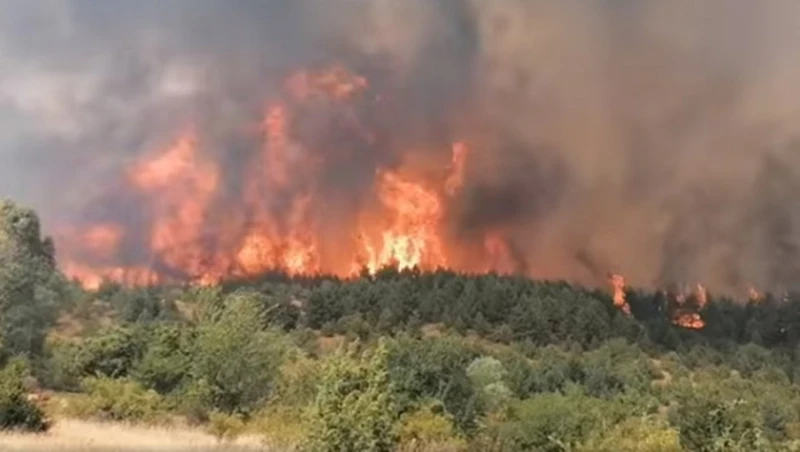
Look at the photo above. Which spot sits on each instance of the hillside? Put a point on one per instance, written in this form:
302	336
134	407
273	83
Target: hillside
397	361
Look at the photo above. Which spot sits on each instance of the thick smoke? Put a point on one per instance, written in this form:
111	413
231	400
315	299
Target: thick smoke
657	139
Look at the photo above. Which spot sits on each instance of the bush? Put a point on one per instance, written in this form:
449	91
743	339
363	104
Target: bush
167	359
429	428
557	422
635	435
60	369
236	358
298	382
283	427
16	411
112	353
355	408
435	368
225	426
118	400
488	376
707	424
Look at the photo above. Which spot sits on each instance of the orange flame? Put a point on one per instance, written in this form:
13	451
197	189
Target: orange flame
690	320
102	239
275	222
91	278
754	295
408	233
618	286
701	295
276	149
685	316
181	185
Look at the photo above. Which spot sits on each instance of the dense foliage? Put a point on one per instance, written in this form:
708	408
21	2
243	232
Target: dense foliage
16	411
404	360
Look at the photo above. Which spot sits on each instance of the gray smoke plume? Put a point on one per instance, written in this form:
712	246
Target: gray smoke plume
657	139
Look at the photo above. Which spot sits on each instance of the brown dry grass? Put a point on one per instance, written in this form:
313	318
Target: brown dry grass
83	436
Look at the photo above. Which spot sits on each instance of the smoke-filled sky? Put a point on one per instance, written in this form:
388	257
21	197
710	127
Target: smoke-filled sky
657	139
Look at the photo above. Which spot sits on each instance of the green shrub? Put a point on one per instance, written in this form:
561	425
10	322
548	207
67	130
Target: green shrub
16	411
298	382
708	424
225	426
112	353
436	368
355	408
118	400
236	358
429	428
61	370
643	434
557	422
194	401
488	376
282	427
167	359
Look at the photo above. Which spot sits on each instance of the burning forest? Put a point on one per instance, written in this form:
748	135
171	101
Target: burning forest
558	140
402	224
195	230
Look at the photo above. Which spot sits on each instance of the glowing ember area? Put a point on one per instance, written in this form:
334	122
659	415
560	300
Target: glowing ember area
754	295
618	286
691	321
686	314
92	277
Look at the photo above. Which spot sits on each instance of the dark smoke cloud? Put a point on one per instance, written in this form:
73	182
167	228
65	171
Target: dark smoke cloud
653	138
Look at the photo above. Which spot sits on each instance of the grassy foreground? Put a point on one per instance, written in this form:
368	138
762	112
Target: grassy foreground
86	436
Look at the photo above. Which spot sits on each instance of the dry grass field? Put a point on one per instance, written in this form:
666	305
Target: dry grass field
83	436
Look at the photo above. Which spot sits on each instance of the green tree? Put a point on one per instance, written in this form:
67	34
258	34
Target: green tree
435	368
355	408
488	375
235	358
167	359
31	288
112	353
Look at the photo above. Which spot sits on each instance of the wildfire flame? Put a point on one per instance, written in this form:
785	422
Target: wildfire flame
754	295
181	185
686	316
408	235
273	226
192	231
618	286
